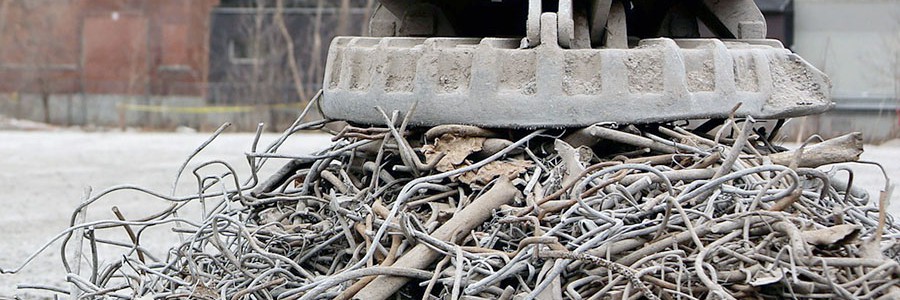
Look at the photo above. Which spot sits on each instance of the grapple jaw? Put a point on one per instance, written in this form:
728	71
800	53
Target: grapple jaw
509	83
492	83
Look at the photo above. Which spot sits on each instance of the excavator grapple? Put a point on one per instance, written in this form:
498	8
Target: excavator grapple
576	64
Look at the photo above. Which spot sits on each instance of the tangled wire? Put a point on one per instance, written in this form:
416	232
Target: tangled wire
657	211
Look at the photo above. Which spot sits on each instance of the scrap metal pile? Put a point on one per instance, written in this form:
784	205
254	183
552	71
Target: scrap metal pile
659	211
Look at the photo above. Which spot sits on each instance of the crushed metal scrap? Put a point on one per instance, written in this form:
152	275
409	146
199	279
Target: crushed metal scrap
655	211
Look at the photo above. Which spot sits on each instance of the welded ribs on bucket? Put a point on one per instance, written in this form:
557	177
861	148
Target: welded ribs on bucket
491	82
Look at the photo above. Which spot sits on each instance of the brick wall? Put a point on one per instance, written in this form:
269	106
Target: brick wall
104	46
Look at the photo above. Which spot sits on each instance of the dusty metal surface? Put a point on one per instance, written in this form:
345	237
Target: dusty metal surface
572	65
460	212
494	83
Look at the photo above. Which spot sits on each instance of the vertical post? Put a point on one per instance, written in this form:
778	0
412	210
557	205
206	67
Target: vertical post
74	292
120	108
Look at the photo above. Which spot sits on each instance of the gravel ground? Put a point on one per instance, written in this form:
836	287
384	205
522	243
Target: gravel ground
43	174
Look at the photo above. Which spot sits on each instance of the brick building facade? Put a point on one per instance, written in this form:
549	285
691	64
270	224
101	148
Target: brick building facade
154	47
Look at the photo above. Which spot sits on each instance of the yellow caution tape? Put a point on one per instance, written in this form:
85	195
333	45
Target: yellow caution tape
203	109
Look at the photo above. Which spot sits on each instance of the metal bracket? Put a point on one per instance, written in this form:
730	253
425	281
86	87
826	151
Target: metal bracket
741	18
533	24
598	19
616	28
565	23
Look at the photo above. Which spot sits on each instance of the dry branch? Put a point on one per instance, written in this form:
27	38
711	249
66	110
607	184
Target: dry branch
845	148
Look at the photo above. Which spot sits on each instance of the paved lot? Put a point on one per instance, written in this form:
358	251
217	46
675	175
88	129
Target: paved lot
43	173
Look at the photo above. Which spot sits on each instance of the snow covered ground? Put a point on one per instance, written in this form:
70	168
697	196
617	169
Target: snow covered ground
43	174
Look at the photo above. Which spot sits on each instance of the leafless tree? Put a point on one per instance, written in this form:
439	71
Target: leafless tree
893	46
259	57
884	61
289	44
370	5
343	27
283	49
4	8
315	65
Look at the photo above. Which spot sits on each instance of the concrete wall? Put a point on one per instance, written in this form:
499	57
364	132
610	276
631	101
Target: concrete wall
857	43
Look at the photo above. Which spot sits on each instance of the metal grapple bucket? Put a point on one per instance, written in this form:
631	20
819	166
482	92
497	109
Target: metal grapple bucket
495	82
